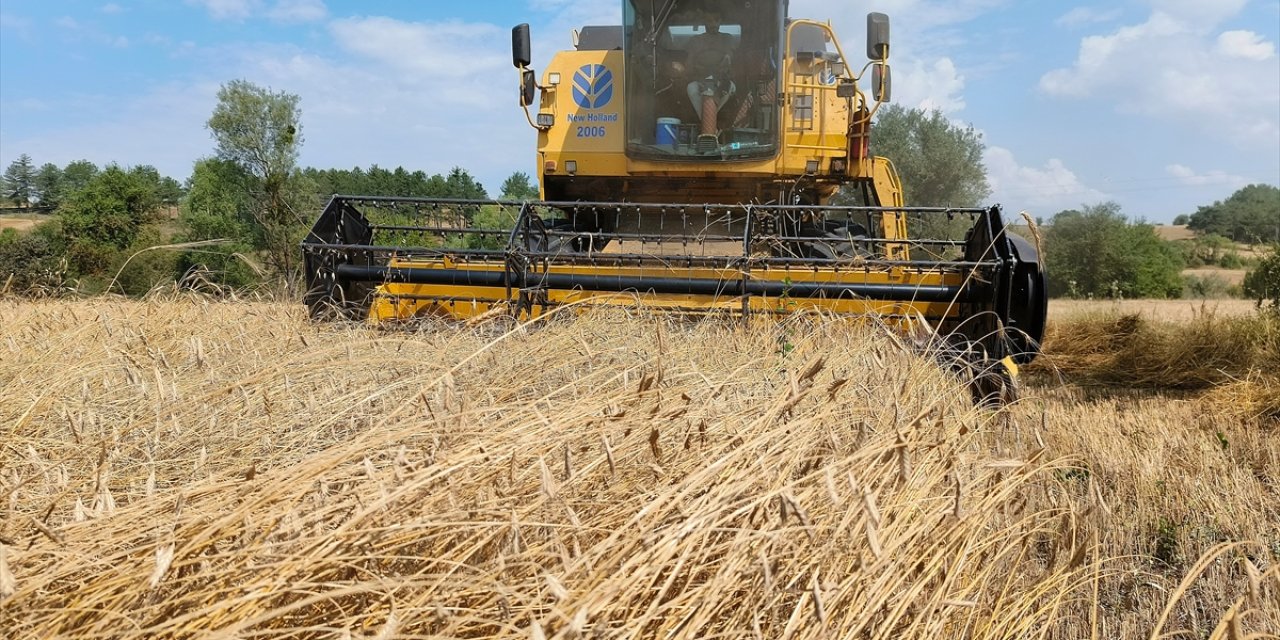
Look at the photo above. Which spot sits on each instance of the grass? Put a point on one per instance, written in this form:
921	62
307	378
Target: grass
177	467
21	221
1175	311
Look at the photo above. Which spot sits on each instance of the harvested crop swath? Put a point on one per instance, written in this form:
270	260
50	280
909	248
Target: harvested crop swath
1135	351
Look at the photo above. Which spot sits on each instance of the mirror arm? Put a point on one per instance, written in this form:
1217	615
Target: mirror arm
527	115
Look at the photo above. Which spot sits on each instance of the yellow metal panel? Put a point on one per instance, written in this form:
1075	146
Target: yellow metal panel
588	105
406	301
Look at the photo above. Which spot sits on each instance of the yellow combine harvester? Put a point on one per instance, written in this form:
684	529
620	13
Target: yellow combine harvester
688	160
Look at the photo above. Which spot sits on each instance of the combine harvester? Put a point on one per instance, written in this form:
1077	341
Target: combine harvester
688	161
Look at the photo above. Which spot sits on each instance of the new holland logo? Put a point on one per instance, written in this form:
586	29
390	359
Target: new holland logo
593	86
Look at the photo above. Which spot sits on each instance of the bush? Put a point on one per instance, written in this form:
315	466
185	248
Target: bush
1204	287
1207	250
1263	283
28	262
139	270
1097	252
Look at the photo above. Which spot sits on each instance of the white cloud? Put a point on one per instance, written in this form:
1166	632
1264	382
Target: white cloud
1173	68
1245	44
430	49
18	25
111	8
1042	191
1081	16
1188	176
925	35
938	85
90	33
163	128
226	9
1200	12
298	11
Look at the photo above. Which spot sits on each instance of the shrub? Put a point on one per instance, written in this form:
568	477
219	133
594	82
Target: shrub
28	262
1210	286
1263	283
1098	252
139	269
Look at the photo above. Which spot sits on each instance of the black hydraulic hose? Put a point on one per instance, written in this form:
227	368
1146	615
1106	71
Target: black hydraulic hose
665	285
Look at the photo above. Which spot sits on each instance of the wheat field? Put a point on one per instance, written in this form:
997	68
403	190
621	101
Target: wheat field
187	468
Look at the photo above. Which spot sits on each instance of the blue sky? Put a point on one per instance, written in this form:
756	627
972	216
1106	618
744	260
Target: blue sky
1161	105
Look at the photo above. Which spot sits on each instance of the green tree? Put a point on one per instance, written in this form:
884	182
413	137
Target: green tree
168	191
219	205
19	181
106	217
75	176
47	185
518	186
940	162
1251	214
1262	284
261	132
1182	220
461	185
1097	251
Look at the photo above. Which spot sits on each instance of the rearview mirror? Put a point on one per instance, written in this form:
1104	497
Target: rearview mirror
878	36
528	87
521	49
882	83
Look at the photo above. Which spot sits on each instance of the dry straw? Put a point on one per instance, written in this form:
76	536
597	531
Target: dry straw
180	467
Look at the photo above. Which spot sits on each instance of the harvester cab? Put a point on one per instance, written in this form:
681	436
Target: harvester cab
696	158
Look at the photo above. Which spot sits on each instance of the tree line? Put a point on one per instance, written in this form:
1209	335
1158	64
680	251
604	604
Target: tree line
244	209
235	222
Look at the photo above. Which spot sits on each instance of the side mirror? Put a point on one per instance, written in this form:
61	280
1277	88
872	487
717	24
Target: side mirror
528	87
878	36
521	48
882	83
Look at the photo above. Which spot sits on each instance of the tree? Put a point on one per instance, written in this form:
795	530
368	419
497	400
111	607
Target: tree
1096	251
48	186
219	206
168	191
1182	220
19	181
518	186
1263	283
940	162
461	185
261	132
76	176
1251	214
106	217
